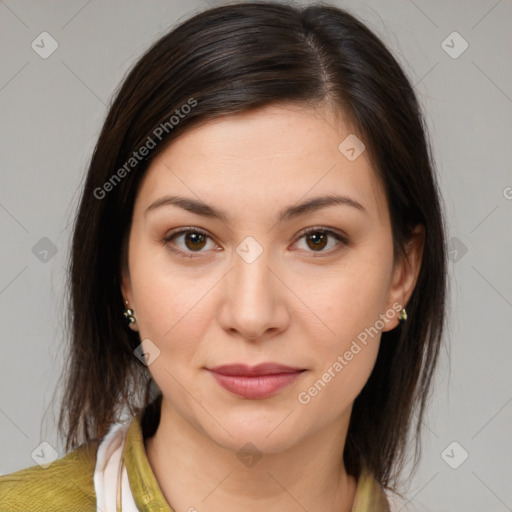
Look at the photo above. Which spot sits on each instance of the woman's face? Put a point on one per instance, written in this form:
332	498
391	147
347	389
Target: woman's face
248	286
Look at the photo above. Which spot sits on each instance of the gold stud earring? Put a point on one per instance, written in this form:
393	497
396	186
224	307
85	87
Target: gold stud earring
128	313
403	315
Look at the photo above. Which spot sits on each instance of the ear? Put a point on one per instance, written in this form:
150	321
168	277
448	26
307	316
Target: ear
405	273
127	293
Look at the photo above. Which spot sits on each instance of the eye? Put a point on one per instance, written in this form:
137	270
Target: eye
194	240
317	239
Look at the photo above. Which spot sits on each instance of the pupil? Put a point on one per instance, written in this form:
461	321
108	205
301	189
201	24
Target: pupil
196	239
318	237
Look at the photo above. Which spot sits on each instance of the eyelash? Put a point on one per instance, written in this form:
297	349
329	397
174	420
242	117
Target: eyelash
194	254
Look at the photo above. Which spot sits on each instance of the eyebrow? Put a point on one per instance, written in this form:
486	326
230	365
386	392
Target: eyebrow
205	210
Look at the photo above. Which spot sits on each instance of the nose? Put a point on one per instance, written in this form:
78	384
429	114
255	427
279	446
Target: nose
254	300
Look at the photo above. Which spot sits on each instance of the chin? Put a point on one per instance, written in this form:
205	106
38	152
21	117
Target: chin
265	433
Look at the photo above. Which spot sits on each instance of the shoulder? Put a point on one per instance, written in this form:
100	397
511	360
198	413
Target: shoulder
66	484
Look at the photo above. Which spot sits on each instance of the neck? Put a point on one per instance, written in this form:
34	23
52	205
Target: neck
194	472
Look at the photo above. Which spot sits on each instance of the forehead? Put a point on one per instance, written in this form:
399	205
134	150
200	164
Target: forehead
271	156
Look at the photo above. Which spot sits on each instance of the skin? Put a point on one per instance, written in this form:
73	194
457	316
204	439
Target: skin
299	303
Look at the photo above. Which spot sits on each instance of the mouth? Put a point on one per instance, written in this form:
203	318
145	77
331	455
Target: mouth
256	382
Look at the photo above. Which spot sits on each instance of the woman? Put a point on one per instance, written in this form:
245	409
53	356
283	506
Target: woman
257	276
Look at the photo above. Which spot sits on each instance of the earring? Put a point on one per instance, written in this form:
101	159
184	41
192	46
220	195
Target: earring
128	313
402	315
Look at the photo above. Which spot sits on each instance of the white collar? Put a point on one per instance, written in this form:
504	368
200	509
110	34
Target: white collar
111	483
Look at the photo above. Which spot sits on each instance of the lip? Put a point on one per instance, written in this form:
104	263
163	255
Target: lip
244	370
260	381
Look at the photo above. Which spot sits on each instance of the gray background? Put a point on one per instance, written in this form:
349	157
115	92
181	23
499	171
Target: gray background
52	110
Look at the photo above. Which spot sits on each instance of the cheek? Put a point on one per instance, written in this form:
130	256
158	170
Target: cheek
163	294
170	310
349	302
335	388
343	357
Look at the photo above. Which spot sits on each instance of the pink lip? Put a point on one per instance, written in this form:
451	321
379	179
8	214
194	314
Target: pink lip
258	381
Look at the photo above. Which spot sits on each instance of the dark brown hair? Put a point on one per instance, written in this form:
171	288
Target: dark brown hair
224	61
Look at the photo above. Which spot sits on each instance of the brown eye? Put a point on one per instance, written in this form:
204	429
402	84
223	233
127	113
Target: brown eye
187	242
195	241
317	239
